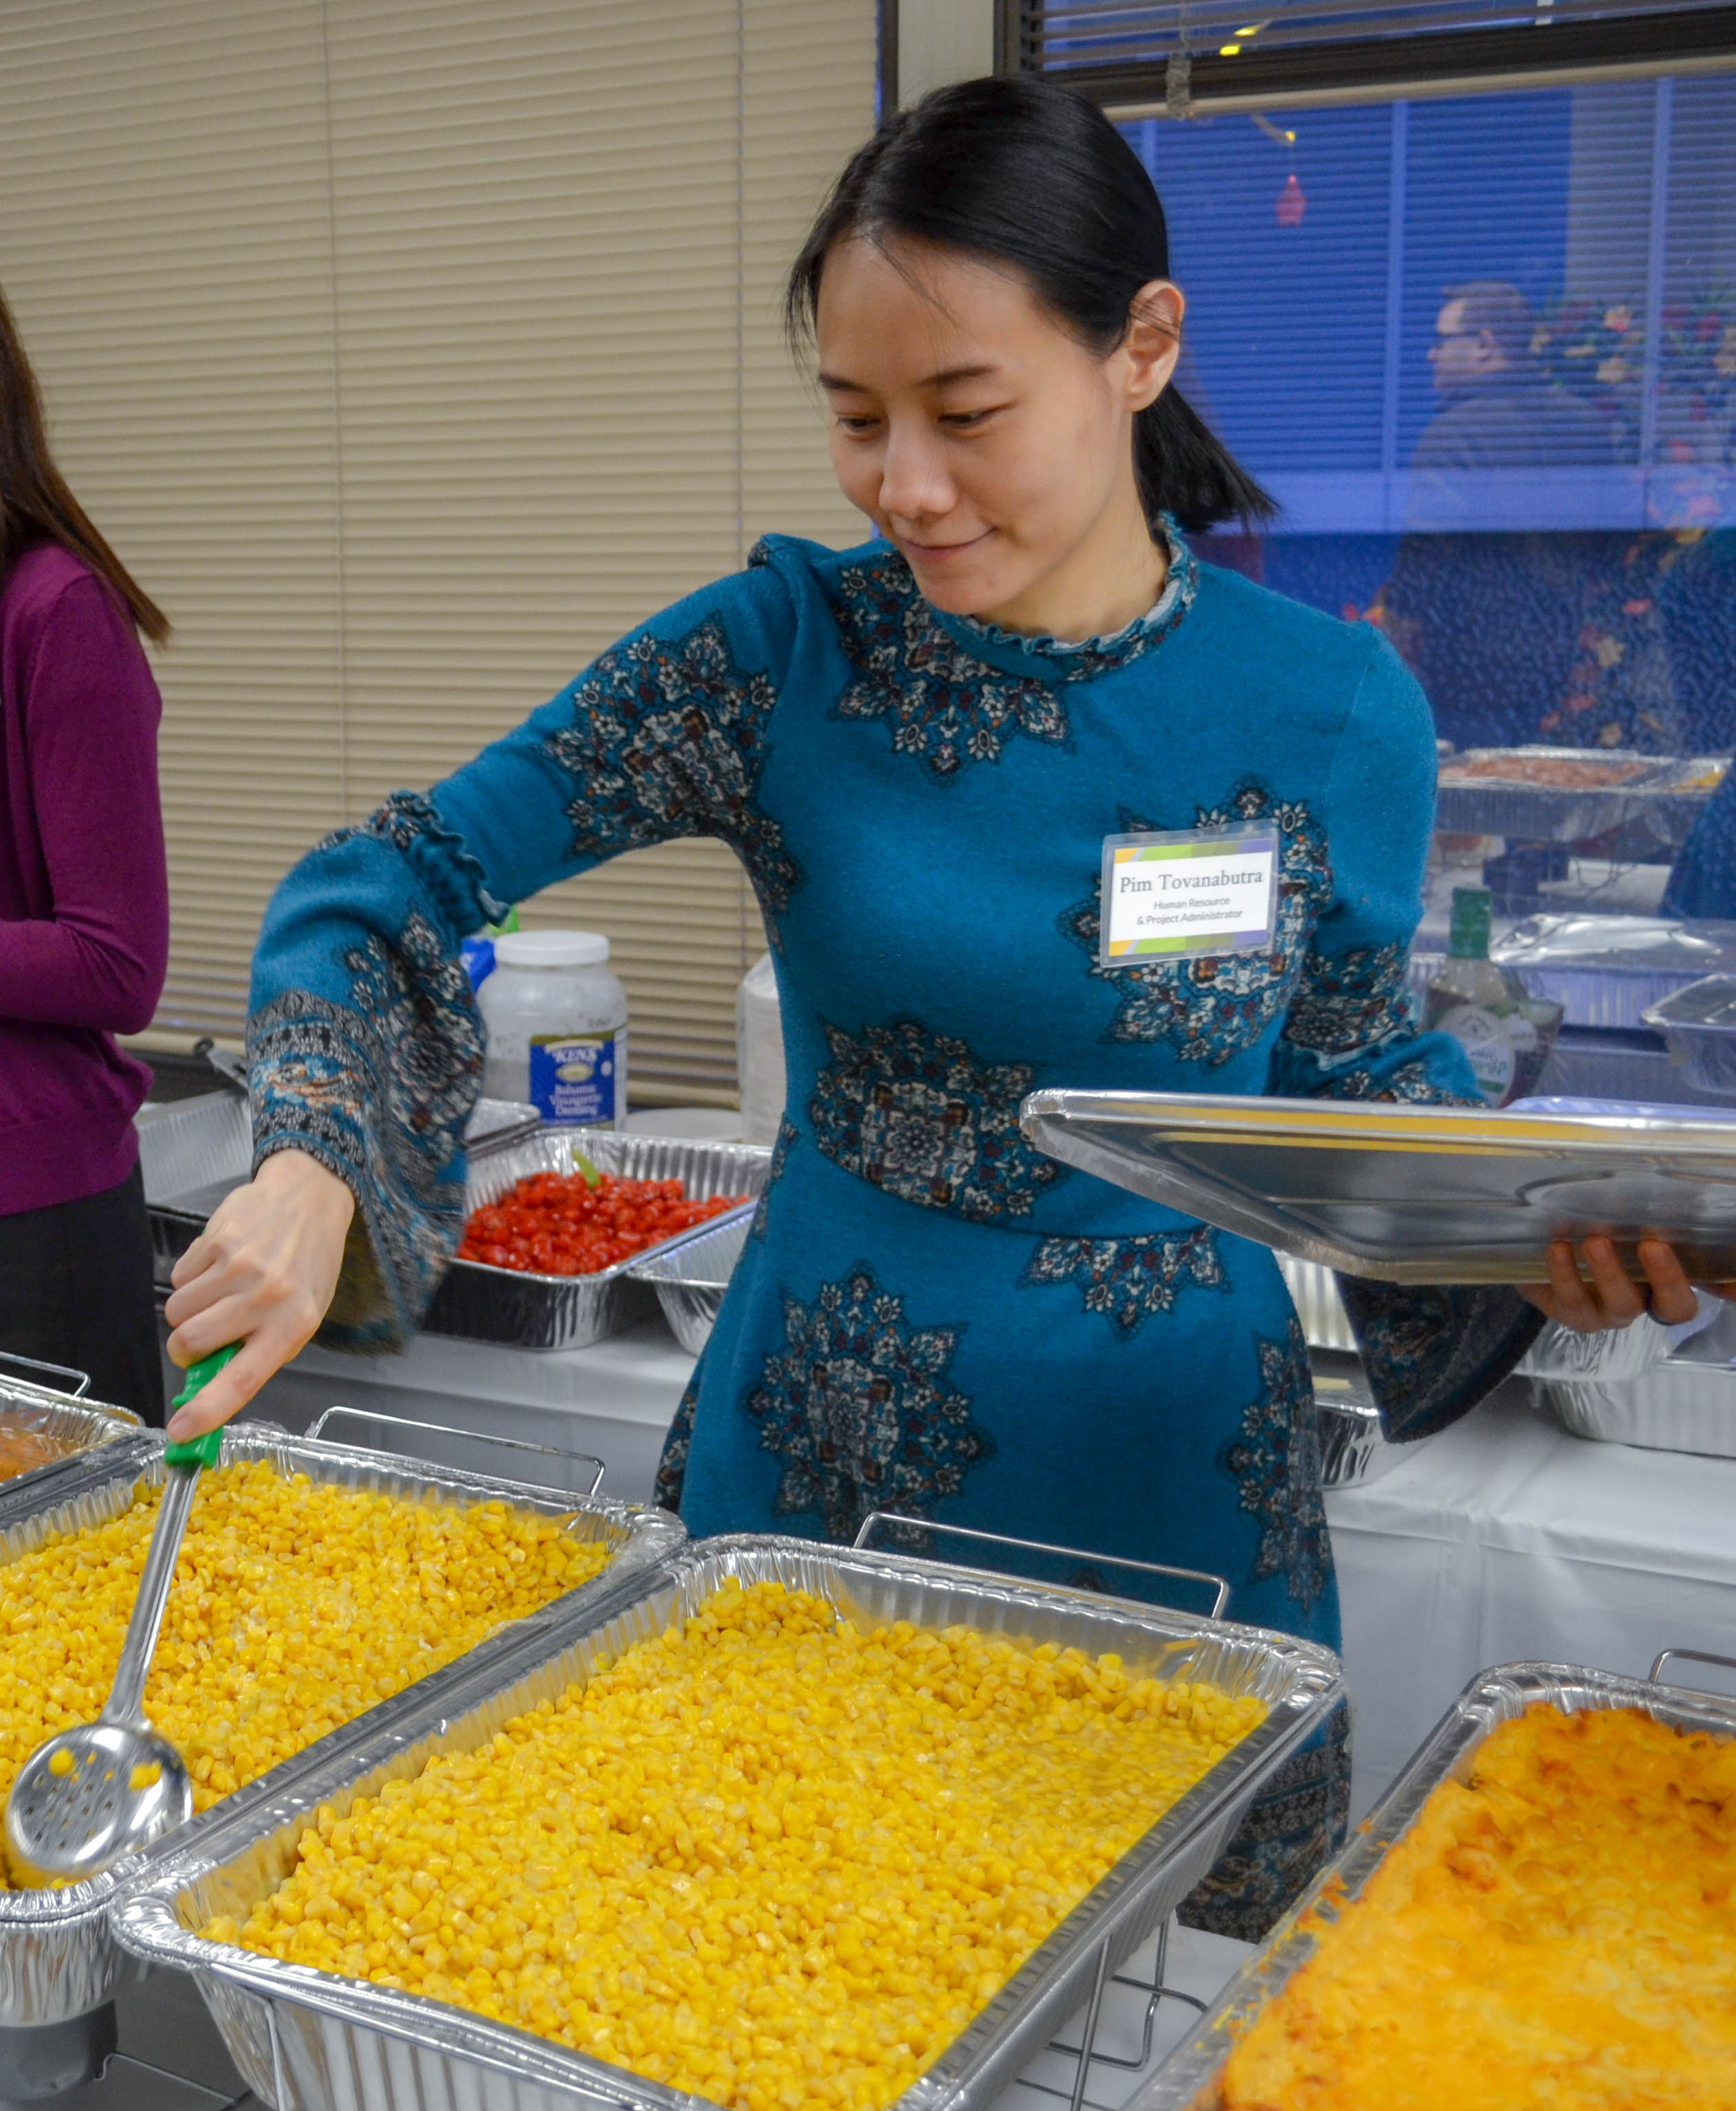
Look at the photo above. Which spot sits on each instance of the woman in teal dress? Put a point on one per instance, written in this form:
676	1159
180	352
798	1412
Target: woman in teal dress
917	749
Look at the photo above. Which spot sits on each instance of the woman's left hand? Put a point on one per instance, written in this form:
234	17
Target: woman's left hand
1611	1298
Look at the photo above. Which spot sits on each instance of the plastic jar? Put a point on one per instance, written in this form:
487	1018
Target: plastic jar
556	1017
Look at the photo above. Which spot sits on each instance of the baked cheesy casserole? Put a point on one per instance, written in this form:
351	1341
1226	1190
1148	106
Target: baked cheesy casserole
1558	1931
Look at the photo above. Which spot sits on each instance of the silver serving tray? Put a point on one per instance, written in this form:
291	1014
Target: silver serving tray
1541	813
57	1957
1606	971
1190	2080
691	1274
84	1426
526	1311
1408	1194
314	2041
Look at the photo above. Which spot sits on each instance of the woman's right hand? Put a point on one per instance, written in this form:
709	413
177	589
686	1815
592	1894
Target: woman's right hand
261	1272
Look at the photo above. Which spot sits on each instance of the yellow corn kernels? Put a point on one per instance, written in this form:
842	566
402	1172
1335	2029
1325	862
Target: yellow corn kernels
295	1606
769	1857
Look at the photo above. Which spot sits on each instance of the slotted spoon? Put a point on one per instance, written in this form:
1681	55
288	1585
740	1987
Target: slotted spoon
103	1790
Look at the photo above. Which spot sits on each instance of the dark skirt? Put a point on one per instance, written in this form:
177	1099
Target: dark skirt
75	1289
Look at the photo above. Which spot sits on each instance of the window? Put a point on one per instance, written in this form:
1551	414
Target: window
1483	349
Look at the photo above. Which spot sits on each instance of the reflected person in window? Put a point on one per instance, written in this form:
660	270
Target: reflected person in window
1490	622
918	747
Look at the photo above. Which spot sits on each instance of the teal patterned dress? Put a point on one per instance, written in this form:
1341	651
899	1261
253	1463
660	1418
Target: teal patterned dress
932	1317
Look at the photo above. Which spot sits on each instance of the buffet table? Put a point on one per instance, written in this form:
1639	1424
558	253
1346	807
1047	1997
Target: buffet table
1504	1538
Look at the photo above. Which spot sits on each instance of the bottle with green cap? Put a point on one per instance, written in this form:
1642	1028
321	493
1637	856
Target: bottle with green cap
1506	1032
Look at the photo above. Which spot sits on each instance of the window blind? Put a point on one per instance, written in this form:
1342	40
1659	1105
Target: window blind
1186	52
410	351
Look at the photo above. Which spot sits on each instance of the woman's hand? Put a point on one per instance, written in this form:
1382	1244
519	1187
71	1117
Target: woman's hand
1611	1298
261	1272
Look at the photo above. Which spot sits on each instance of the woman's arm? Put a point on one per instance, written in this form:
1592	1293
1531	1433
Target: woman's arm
366	1045
90	711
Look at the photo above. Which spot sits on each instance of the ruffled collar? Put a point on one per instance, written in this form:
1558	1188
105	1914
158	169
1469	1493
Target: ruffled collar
1060	660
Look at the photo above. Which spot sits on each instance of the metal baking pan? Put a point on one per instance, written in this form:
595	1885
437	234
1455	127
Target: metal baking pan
691	1274
1682	1400
1606	971
526	1311
57	1957
1408	1194
1190	2080
81	1426
1565	813
311	2040
1354	1449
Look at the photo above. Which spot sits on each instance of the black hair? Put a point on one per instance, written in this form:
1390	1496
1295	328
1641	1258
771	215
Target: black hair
1030	175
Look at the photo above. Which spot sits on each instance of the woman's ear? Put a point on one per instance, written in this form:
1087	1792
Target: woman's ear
1153	342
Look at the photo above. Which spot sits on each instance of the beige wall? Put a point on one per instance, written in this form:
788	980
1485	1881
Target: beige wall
410	351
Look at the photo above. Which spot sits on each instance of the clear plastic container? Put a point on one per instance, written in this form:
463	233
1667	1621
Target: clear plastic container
556	1017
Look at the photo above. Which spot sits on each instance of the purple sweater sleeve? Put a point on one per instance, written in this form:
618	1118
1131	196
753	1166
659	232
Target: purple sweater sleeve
90	713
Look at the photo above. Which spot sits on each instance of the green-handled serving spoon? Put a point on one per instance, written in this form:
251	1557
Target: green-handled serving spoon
104	1790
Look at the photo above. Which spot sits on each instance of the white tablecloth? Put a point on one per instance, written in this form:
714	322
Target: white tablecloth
1504	1538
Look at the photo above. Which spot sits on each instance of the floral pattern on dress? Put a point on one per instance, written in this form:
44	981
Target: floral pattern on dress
1406	1083
1276	1458
1210	1006
672	1462
1357	1000
379	1090
1293	1827
667	740
920	1114
788	1135
1127	1280
1433	1351
857	1408
944	706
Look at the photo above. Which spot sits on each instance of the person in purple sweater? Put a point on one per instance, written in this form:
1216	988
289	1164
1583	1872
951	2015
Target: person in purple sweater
84	921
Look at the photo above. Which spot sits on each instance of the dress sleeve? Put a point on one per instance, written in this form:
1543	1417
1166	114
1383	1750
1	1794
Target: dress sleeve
1350	1033
364	1041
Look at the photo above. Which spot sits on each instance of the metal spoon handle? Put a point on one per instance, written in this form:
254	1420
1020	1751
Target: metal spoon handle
182	1463
125	1706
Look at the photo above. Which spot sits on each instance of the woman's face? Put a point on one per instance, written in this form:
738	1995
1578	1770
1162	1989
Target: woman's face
978	435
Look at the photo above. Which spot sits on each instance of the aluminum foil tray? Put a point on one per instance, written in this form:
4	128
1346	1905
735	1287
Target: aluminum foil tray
691	1274
57	1957
1190	2080
1605	971
1408	1194
1683	1400
1545	813
83	1426
310	2041
1354	1449
526	1311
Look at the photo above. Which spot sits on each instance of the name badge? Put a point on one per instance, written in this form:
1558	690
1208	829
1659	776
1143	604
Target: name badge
1188	893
